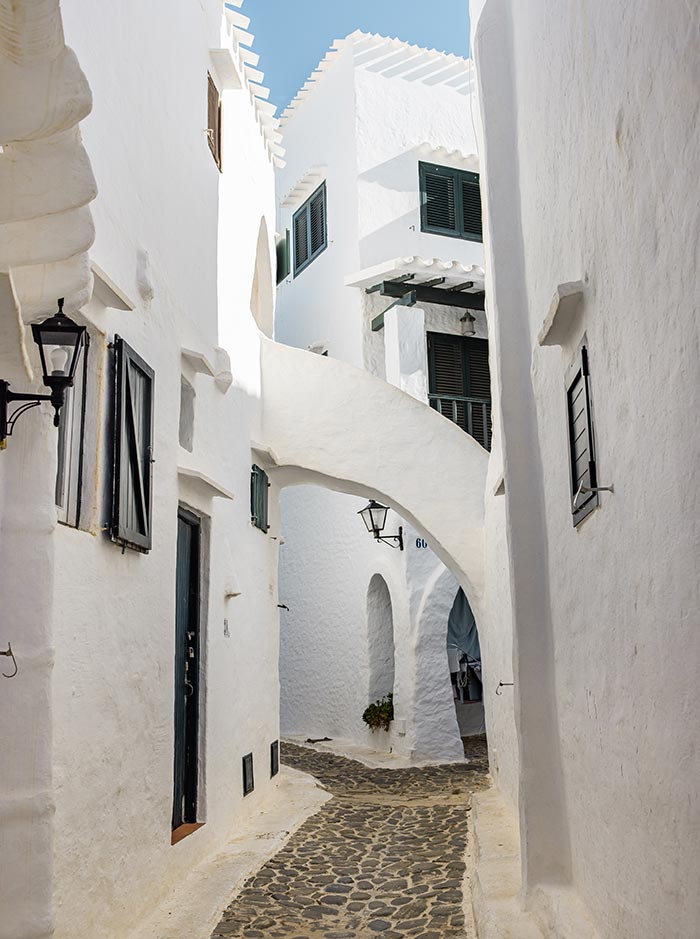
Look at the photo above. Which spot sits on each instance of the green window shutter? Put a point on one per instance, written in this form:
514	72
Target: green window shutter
301	240
310	226
459	383
130	523
283	259
471	207
440	203
582	460
317	216
259	485
248	779
450	202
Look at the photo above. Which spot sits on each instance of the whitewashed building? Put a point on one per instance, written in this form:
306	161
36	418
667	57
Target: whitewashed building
589	155
380	213
139	541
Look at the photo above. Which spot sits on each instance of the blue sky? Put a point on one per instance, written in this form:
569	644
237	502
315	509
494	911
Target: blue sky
292	36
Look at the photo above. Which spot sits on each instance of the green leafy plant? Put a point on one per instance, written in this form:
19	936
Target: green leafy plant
380	714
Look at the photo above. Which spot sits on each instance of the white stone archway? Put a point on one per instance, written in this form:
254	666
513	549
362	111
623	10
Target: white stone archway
329	423
437	735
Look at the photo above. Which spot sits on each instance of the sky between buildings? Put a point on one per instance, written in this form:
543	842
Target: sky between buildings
292	36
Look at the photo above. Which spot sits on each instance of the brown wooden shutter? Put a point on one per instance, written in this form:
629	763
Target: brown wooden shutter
133	449
214	120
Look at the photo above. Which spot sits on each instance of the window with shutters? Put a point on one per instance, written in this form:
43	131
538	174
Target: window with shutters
310	230
71	436
283	248
214	120
450	202
259	486
582	460
459	382
248	780
130	523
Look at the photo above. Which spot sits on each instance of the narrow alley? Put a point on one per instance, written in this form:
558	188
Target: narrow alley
384	856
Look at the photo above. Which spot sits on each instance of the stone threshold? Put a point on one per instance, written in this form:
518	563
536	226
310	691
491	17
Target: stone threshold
374	759
493	881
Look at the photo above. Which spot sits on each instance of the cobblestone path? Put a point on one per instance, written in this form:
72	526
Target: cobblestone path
382	858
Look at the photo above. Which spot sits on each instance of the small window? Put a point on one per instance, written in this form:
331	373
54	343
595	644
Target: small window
259	485
71	436
582	460
284	249
214	120
450	202
248	781
310	230
459	383
274	758
130	524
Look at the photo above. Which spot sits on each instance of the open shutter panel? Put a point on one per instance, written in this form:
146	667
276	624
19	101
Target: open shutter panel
471	208
283	265
581	446
259	498
214	120
440	206
317	214
133	449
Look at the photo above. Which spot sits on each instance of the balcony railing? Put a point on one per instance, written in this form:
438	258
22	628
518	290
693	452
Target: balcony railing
473	415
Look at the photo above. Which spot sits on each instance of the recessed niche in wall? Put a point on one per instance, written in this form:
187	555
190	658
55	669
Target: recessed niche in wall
187	396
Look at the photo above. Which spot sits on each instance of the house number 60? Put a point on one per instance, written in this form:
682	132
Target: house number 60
421	543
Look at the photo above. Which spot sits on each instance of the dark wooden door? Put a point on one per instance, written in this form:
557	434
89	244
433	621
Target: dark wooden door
186	670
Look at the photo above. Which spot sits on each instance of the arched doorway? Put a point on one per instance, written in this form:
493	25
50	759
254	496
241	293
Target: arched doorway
380	639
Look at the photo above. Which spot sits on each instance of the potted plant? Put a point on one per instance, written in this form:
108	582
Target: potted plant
380	714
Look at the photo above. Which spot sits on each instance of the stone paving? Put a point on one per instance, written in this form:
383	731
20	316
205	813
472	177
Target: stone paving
383	858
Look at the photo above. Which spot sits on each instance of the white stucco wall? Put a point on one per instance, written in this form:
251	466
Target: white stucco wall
363	127
601	195
107	617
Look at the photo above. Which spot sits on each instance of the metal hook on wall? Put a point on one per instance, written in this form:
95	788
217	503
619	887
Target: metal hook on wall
8	651
503	684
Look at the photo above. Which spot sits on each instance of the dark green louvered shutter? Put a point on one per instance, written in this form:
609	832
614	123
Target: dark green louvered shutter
248	779
317	219
479	388
582	460
259	486
471	206
133	449
310	224
459	383
450	202
439	200
283	258
301	240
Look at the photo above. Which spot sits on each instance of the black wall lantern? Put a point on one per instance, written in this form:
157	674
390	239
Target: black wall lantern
374	517
60	341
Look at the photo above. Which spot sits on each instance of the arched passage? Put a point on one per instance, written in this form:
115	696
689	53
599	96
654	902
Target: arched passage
380	639
355	433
